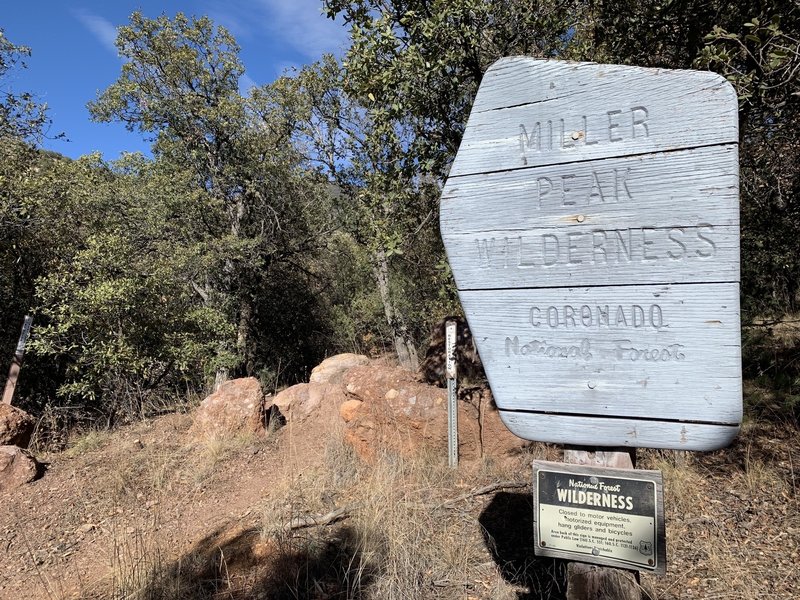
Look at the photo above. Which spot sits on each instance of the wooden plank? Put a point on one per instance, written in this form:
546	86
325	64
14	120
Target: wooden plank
11	382
600	457
683	187
638	350
588	255
635	433
532	112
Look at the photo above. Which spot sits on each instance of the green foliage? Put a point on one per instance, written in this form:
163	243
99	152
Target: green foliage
180	80
416	66
273	229
21	116
386	124
116	304
755	45
759	53
262	213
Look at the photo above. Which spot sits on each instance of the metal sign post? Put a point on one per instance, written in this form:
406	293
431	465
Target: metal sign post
16	362
452	394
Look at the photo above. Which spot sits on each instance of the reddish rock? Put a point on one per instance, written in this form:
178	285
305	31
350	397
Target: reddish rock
16	426
303	400
17	467
238	406
349	410
402	414
333	368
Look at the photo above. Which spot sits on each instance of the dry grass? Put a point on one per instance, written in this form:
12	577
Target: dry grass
399	542
733	524
136	562
401	538
88	441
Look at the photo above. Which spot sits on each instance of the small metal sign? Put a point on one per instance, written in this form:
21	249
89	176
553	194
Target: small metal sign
612	517
23	337
450	342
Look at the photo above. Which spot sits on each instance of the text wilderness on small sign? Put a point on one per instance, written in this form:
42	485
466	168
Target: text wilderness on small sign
591	220
606	516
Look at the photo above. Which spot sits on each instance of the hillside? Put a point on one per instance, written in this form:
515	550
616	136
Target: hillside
155	510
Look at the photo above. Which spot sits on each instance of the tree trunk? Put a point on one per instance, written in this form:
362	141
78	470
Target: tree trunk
236	214
403	345
243	334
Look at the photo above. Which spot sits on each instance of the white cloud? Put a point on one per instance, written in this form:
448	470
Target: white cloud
102	29
302	25
236	24
246	83
298	25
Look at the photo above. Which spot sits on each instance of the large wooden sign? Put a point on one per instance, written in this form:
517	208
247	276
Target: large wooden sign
591	220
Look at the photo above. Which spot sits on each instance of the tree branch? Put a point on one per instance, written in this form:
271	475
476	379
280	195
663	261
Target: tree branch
319	520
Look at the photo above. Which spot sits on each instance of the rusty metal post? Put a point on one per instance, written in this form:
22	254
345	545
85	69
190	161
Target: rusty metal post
16	362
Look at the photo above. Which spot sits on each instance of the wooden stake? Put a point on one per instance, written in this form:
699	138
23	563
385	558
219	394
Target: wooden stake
594	582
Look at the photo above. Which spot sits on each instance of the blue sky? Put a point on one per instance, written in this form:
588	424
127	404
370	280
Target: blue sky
73	53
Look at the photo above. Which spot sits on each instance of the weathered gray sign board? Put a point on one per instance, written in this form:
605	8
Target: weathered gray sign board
612	517
591	220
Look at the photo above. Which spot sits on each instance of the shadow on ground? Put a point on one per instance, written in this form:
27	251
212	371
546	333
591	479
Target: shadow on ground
507	526
241	565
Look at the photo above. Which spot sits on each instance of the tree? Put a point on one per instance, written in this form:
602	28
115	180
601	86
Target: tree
21	116
382	205
180	85
22	251
759	52
756	45
421	63
115	305
404	94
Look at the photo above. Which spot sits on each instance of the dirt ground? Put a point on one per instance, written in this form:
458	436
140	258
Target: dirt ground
117	510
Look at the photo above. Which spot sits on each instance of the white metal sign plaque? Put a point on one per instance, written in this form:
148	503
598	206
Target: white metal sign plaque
591	220
606	516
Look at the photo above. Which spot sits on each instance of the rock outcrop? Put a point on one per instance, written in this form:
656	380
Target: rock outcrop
16	426
17	467
304	400
388	408
238	406
331	370
378	405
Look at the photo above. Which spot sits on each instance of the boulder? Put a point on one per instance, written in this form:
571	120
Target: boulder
301	401
333	368
238	406
389	408
16	426
17	467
